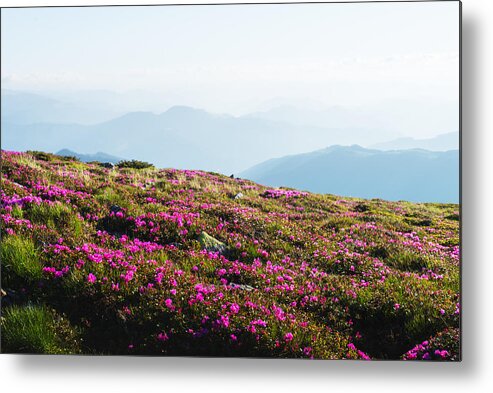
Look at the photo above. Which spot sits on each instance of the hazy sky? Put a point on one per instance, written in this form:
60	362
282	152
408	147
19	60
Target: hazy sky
225	58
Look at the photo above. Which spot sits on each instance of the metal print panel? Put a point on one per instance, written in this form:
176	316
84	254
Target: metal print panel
267	180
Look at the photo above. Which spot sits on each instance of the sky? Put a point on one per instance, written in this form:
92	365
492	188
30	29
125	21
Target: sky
231	59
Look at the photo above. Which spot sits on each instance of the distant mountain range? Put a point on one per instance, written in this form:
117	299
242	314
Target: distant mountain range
443	142
185	138
99	156
414	175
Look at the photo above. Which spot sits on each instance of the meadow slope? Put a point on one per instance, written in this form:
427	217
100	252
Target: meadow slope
102	260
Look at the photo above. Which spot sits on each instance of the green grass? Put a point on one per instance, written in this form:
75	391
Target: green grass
410	261
35	329
57	216
20	261
108	196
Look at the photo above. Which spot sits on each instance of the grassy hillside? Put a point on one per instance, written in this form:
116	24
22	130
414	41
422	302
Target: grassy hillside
167	262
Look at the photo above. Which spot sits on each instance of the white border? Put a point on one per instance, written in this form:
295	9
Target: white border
120	374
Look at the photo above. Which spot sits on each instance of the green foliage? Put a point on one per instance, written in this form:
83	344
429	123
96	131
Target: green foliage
36	329
109	196
41	155
55	216
135	164
20	261
409	261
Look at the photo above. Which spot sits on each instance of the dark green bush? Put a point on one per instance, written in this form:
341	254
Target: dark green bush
41	155
135	164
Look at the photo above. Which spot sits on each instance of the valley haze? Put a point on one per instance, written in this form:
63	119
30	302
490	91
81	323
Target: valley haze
188	138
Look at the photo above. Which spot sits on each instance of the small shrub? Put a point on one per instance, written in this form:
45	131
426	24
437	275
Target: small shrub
41	155
361	208
134	164
453	216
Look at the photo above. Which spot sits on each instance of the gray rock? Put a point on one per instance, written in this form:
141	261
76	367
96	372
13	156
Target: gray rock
211	244
115	208
242	287
175	244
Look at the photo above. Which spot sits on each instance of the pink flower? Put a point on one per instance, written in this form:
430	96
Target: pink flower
221	272
307	351
288	337
91	278
199	297
397	306
169	303
223	321
162	337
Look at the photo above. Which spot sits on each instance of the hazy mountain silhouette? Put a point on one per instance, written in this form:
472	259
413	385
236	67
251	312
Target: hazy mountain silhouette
183	137
442	142
99	156
415	175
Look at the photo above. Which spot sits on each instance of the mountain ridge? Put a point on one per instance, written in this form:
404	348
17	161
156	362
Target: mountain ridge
416	175
98	156
182	137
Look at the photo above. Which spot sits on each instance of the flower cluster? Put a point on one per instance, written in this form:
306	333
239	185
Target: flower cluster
166	262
